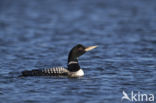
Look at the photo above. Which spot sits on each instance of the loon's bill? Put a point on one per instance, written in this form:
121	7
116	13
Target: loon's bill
90	48
73	69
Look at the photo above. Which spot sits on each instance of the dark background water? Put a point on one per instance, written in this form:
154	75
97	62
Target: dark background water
40	33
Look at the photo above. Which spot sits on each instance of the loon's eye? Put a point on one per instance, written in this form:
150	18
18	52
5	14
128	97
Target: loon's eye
80	49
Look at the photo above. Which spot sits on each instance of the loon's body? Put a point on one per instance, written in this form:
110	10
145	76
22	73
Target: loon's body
73	69
55	71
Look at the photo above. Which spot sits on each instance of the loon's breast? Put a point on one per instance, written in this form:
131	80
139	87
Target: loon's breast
78	73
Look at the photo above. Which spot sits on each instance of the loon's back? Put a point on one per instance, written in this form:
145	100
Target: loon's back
56	71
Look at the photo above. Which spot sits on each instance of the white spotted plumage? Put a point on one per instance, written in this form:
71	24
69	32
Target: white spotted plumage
55	70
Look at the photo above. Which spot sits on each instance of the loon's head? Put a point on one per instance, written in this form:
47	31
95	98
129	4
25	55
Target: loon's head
77	51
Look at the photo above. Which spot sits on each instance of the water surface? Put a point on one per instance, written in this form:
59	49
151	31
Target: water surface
40	33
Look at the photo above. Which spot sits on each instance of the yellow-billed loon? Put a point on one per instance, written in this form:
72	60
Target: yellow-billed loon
73	69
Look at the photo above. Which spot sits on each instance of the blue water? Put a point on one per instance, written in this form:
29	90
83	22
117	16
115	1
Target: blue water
40	33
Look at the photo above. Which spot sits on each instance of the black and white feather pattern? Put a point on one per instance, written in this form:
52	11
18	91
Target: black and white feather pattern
55	71
42	72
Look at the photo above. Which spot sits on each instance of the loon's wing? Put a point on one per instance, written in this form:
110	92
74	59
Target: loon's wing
46	72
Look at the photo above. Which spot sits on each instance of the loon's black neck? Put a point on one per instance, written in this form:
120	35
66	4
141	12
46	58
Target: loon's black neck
73	64
73	67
